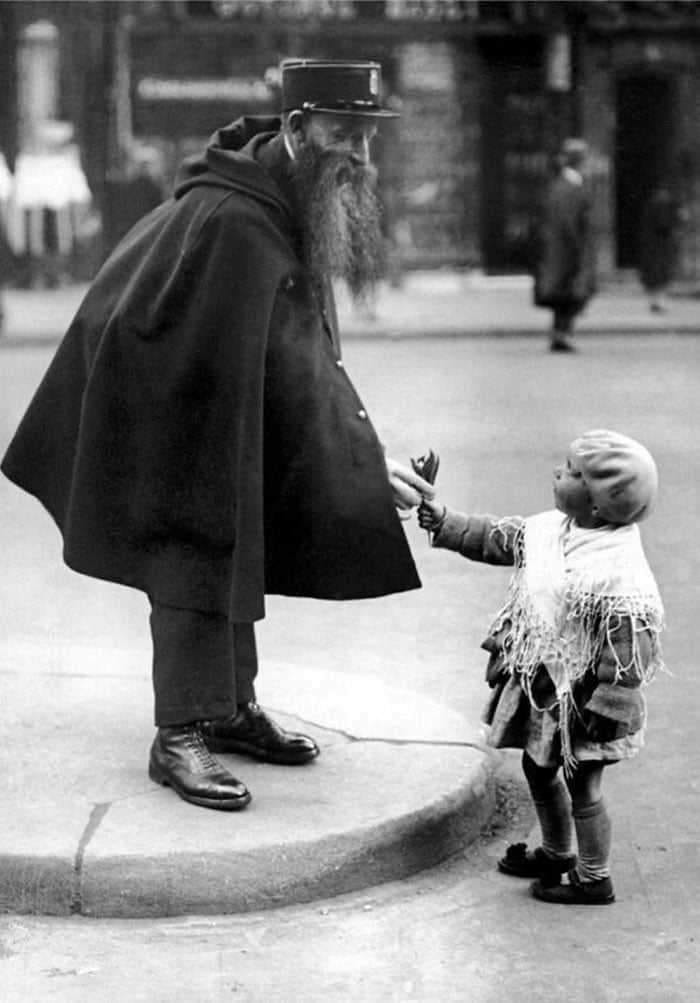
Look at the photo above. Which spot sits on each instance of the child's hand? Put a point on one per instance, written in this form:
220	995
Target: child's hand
431	515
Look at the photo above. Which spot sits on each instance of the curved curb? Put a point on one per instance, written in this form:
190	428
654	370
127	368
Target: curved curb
221	879
402	783
291	873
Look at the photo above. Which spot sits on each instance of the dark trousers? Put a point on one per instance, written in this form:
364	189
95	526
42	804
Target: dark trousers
563	319
203	665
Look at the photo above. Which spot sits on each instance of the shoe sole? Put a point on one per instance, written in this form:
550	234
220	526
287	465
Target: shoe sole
570	899
219	804
222	745
574	901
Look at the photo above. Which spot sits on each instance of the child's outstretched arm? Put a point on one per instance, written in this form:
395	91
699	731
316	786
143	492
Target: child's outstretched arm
478	537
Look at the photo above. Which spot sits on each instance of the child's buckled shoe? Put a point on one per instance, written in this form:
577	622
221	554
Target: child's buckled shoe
520	862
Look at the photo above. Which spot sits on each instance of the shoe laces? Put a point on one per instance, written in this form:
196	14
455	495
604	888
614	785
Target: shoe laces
197	746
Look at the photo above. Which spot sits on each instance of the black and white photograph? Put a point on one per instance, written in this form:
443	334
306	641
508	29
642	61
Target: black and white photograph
349	463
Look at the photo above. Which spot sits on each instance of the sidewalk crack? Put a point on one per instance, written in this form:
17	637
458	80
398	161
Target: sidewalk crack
434	742
98	812
437	742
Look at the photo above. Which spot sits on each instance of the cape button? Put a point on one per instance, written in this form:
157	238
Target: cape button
362	414
339	363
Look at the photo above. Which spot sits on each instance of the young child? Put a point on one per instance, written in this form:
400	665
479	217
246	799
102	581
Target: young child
571	649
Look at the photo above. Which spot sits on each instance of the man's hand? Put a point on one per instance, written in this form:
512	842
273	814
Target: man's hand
409	488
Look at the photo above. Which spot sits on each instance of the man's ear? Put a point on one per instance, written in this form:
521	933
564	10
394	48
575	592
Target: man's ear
295	134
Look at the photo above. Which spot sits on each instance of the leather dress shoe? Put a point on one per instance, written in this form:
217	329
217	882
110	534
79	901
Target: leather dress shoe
250	732
180	759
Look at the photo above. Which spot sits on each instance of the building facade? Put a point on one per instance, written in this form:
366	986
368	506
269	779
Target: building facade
486	93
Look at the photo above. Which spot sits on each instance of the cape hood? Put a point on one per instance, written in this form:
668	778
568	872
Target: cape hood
230	161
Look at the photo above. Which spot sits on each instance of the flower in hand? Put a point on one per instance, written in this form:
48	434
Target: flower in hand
431	515
407	485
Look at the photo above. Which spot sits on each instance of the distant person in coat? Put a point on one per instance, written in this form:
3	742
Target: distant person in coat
662	218
197	435
565	268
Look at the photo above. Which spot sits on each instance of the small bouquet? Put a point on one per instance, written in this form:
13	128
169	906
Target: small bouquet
427	466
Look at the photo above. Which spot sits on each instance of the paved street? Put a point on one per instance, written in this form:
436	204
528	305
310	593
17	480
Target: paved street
499	411
444	301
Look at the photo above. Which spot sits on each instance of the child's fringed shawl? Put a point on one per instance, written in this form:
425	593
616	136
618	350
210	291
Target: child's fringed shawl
568	595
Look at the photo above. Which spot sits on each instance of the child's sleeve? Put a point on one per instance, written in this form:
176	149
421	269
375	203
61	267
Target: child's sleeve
626	654
616	705
479	537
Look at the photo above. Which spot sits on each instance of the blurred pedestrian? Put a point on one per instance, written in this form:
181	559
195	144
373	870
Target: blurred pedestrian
197	435
661	221
570	650
565	267
50	201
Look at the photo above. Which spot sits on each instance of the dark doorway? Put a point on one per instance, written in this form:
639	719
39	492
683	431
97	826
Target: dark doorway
513	157
643	147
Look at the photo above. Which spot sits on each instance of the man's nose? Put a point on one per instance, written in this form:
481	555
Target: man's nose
359	153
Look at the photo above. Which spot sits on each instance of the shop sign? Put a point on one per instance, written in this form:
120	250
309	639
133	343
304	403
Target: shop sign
228	89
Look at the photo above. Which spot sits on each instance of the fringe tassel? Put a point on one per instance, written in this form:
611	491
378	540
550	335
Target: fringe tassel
567	753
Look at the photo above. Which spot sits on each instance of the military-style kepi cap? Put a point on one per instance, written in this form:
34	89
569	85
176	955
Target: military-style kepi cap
344	88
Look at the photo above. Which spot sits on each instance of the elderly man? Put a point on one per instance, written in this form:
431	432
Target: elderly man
197	436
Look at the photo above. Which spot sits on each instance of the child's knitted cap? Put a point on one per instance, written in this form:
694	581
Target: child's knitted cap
620	474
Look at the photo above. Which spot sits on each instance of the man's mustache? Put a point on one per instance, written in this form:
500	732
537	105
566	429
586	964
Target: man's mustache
347	170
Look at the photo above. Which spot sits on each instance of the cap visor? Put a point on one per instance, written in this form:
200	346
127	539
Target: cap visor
373	113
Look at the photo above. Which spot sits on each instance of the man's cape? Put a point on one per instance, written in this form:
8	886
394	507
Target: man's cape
195	436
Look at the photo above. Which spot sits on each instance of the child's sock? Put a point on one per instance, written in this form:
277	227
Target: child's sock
554	815
594	836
